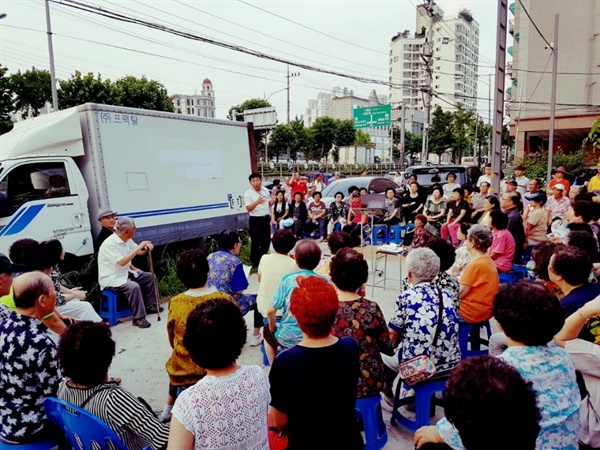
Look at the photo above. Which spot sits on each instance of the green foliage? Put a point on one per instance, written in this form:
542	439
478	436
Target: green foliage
142	93
169	285
86	277
282	137
303	138
594	135
6	101
79	89
536	164
236	112
345	134
324	130
441	131
32	90
507	141
362	139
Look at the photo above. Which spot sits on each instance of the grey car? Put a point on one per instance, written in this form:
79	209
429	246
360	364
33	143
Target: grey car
374	185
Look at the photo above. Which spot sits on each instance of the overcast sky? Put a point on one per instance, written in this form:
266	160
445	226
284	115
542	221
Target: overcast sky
358	40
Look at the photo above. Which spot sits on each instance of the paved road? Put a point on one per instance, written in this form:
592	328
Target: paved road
142	354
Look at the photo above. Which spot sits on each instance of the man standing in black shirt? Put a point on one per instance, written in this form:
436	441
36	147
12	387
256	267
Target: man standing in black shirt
108	220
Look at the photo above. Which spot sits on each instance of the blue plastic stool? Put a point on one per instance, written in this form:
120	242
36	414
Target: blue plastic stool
368	409
384	239
397	234
410	226
46	444
471	333
425	402
508	278
109	307
521	271
264	353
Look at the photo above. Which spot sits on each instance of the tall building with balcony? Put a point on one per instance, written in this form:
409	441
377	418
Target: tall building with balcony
528	94
202	105
455	48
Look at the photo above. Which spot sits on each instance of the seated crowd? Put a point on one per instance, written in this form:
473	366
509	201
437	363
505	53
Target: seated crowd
326	343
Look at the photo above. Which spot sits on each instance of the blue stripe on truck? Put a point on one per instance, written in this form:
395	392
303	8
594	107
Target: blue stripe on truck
21	220
163	212
26	215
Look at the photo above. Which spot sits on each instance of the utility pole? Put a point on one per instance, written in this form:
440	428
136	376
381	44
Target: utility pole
51	55
402	126
552	98
501	33
476	150
427	91
489	149
293	75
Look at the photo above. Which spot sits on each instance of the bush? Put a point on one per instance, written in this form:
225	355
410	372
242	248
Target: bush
536	164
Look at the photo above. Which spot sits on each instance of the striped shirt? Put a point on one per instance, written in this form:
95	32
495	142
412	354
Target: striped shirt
122	412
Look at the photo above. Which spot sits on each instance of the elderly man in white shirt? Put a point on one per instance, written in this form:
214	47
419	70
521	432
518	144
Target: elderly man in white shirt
115	271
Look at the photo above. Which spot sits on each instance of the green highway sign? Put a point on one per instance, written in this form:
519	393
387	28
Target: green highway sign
372	116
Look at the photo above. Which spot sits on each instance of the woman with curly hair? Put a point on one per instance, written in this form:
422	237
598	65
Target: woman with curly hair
478	395
531	316
360	319
192	270
321	370
227	409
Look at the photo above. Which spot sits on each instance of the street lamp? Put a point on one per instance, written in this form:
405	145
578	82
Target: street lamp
273	93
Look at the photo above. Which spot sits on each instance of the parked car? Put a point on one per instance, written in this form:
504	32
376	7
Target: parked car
374	185
425	174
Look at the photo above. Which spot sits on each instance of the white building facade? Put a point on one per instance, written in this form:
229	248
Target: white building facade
455	45
201	105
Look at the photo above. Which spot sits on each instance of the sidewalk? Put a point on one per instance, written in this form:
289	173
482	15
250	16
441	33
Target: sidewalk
141	354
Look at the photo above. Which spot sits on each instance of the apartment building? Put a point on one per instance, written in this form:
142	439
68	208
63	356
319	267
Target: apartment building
202	105
528	94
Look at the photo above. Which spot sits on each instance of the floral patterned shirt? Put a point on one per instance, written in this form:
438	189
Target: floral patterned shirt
415	320
28	374
444	281
226	274
363	321
552	373
338	211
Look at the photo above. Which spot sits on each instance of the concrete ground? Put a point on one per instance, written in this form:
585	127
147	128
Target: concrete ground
142	354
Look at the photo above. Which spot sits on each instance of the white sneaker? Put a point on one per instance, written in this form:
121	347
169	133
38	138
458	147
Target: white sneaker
255	341
164	418
385	404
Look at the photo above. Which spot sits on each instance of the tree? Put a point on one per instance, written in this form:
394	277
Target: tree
507	140
481	139
32	89
82	89
142	93
324	130
345	133
440	136
362	139
6	101
304	142
236	112
282	137
461	124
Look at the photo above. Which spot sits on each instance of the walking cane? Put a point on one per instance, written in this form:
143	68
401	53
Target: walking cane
155	286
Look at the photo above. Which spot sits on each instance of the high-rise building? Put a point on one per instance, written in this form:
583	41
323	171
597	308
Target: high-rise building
317	108
528	94
455	47
202	105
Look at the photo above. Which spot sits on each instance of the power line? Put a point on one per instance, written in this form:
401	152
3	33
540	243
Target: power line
312	29
245	27
534	24
123	18
540	80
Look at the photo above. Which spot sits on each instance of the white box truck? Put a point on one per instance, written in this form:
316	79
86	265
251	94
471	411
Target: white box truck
179	177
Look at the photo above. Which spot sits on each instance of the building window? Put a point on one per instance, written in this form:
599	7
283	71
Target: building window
188	110
192	110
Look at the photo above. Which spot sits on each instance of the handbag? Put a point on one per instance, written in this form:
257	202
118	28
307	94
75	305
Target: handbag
420	368
432	229
277	441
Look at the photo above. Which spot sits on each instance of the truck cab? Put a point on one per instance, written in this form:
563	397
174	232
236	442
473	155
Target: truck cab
47	198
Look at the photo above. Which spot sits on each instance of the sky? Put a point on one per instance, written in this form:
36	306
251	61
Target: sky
350	37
